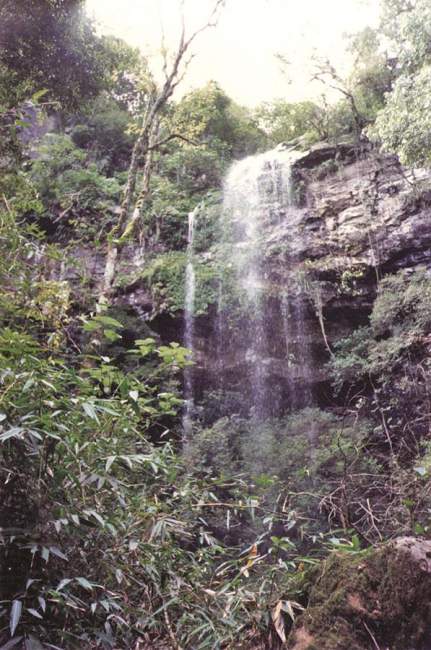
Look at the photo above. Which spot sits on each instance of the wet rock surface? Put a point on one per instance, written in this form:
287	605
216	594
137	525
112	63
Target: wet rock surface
359	216
370	212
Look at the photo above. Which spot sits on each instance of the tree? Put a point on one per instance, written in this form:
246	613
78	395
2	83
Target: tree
362	94
283	121
406	25
403	125
51	44
208	115
327	74
147	141
104	130
372	74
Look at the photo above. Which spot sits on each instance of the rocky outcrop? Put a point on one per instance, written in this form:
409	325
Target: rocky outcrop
376	599
369	215
359	216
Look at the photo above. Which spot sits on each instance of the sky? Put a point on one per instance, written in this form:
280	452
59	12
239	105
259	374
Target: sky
240	52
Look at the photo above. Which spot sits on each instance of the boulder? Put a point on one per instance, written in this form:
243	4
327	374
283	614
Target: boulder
377	599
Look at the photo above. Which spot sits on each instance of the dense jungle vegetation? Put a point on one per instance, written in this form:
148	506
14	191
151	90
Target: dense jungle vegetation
112	534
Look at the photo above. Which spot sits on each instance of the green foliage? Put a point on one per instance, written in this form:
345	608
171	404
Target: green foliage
75	179
306	122
399	323
165	273
302	445
107	537
209	225
403	126
110	535
110	526
103	533
407	26
337	121
186	178
372	73
50	44
283	121
71	187
350	361
361	95
165	214
128	78
208	115
401	306
103	131
193	169
308	452
165	277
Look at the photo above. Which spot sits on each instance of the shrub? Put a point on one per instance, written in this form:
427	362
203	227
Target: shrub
308	452
399	323
165	276
71	187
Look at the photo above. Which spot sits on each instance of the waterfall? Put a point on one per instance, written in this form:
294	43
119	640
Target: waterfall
258	205
189	307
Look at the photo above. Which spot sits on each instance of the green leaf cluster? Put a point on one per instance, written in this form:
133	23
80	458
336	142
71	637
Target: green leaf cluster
399	323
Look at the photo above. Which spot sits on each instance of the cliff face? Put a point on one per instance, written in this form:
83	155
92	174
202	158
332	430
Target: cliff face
358	217
355	217
365	217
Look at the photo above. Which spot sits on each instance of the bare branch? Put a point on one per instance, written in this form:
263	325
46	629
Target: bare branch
327	74
372	637
173	136
6	202
164	55
211	22
145	144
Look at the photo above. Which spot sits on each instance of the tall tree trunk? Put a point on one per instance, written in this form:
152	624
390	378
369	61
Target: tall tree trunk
146	143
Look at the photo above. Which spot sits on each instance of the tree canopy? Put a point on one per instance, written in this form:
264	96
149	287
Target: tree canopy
402	125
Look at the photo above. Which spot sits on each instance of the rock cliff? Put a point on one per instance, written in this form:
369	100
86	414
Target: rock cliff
359	216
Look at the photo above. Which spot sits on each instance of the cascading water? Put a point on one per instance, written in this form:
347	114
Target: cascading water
258	203
189	306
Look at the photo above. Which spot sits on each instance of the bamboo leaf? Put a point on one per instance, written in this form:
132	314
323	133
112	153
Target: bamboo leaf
15	432
15	615
90	411
85	584
38	95
12	643
33	644
107	320
63	583
278	620
56	551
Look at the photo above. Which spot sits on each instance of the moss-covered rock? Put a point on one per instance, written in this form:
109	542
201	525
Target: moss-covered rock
377	599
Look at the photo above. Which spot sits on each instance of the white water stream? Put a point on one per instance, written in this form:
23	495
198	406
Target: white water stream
262	343
189	328
258	197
